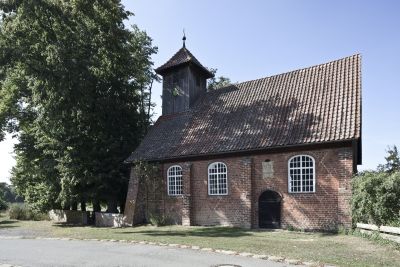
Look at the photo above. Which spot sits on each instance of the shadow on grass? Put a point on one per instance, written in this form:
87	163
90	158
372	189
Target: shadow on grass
71	225
198	232
320	233
223	232
8	224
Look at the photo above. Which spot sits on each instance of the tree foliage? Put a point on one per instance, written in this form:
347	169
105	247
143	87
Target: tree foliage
376	194
217	82
8	194
3	202
376	198
75	89
392	161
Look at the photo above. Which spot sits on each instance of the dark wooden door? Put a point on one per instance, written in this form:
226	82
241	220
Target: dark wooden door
269	210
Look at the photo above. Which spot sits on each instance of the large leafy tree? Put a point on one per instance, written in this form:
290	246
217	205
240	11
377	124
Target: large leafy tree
75	90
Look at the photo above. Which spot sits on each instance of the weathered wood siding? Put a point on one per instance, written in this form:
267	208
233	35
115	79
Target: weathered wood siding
190	84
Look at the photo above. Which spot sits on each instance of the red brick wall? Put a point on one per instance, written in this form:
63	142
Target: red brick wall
325	209
233	209
317	210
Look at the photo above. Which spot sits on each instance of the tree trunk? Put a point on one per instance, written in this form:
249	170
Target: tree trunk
66	206
122	206
74	205
149	106
83	205
112	206
96	206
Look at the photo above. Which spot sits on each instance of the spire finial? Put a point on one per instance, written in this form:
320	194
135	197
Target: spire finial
184	38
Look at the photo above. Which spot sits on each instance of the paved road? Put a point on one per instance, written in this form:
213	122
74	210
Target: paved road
39	252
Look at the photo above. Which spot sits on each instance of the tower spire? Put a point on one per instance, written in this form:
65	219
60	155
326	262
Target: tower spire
184	38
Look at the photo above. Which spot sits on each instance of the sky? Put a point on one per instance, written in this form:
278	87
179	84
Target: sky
247	40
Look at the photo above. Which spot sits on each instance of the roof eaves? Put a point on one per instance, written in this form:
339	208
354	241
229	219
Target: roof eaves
243	151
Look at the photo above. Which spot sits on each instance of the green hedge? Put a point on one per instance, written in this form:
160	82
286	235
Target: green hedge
376	198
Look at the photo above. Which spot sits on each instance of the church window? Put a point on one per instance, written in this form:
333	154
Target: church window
217	179
174	176
301	174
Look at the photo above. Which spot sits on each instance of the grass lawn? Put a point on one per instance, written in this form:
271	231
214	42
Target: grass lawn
340	250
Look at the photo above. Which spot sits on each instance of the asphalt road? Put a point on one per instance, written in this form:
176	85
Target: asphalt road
39	252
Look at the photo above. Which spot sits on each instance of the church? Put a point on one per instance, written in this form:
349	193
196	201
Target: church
274	152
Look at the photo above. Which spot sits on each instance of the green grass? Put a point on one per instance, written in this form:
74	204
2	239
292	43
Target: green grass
340	250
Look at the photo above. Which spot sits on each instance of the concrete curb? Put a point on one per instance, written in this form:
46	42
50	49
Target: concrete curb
180	246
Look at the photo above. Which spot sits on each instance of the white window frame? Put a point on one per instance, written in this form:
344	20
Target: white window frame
175	186
217	180
301	168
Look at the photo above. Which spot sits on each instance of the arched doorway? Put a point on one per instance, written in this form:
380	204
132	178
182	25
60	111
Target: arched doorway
269	210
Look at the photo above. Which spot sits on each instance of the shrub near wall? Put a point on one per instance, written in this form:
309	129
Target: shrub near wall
19	211
376	198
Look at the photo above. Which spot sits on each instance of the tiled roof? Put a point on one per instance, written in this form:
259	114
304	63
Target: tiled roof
312	105
181	57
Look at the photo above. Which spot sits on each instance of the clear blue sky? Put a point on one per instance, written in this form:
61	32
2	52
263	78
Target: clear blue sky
247	40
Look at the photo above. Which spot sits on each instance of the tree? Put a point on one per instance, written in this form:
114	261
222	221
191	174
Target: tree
392	161
75	90
3	202
217	82
376	198
376	194
7	193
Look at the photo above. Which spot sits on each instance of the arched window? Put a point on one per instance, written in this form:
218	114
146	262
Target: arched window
174	176
301	174
217	179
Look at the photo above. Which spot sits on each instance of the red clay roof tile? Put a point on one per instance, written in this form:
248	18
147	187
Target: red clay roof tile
312	105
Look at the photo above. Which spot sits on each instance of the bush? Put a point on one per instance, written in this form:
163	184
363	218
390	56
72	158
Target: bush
344	231
159	220
24	212
376	198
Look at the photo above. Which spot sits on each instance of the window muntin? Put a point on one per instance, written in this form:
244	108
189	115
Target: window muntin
217	179
301	174
174	177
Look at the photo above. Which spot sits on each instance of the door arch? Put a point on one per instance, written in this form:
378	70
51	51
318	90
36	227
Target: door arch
269	209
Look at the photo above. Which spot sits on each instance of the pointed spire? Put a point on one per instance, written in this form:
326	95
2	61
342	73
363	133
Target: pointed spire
184	38
182	57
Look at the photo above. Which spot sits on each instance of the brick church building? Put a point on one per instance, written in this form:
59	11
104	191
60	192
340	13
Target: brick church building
274	152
